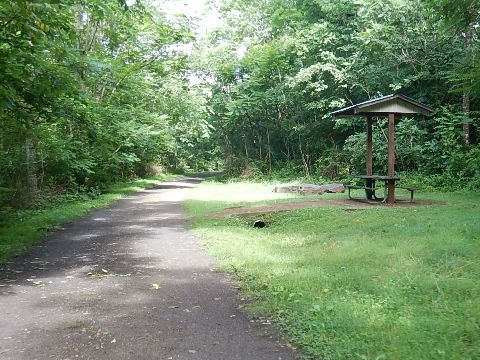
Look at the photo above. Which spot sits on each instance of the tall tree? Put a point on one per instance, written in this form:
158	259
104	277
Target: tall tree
463	18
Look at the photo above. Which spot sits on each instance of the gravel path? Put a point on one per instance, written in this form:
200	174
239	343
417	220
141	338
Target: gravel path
127	282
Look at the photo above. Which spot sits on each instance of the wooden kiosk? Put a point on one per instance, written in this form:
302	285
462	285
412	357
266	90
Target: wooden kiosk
393	106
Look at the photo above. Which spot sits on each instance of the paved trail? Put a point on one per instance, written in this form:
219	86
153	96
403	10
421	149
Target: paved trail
87	293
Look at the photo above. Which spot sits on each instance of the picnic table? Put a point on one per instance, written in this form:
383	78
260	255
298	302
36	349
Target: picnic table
370	187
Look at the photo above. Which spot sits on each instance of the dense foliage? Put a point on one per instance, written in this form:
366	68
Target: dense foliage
95	91
280	67
91	92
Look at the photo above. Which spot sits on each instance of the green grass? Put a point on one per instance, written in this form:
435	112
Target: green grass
379	283
24	229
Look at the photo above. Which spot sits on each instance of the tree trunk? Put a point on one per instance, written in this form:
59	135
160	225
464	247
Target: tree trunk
246	147
305	159
228	152
31	155
466	96
269	153
466	112
260	144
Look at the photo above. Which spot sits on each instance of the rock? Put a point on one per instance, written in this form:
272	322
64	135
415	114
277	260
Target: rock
286	188
320	189
307	189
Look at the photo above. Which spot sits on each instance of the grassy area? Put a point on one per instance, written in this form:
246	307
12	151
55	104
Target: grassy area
23	229
378	283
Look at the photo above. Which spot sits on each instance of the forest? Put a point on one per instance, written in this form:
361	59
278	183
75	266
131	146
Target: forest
95	92
113	244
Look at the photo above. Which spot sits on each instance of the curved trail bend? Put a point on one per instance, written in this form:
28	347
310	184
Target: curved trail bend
127	282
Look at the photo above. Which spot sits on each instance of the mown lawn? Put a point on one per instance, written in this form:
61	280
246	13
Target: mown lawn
377	283
23	229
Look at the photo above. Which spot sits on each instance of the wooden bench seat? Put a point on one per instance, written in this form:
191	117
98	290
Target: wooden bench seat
410	189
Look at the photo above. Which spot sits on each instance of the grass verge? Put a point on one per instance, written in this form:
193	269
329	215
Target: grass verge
24	229
376	283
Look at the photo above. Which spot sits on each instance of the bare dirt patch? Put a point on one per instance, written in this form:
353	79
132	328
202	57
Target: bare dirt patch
346	204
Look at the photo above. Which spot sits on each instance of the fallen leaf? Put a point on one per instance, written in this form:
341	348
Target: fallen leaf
156	286
36	282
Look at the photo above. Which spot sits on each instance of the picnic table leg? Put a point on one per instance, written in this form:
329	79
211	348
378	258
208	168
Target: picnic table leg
369	183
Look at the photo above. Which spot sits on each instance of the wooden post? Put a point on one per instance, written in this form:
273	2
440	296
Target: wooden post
369	146
391	158
369	158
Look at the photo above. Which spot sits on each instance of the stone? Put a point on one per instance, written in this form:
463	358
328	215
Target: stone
308	189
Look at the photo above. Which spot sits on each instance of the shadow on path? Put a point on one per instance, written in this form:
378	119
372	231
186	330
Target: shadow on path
127	282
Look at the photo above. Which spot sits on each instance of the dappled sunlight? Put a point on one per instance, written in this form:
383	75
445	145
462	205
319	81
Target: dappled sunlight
237	192
125	280
368	251
86	237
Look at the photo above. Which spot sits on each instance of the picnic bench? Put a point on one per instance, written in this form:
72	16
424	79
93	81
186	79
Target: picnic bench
370	187
408	188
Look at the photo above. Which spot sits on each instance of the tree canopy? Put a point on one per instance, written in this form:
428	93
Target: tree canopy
95	91
303	59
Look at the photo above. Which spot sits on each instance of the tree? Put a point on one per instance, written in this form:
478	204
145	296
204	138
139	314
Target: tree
80	101
462	17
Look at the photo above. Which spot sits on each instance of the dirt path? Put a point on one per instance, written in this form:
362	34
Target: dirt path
127	282
346	204
293	205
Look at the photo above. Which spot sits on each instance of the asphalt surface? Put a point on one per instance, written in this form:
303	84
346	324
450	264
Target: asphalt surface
128	282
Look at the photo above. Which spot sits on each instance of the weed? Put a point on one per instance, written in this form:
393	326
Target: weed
77	324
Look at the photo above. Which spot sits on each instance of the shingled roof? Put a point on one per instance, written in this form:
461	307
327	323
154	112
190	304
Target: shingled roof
394	103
